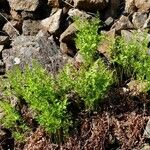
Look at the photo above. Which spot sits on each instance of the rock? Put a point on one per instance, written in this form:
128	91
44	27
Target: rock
146	134
69	33
143	5
122	24
41	48
12	28
78	58
109	21
54	3
1	48
91	5
26	5
78	13
2	68
52	23
139	19
147	23
67	44
15	15
31	27
130	6
4	40
68	48
127	34
136	87
146	146
104	47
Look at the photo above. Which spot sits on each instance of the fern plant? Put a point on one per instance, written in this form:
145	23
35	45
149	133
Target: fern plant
13	121
93	84
38	89
132	56
87	38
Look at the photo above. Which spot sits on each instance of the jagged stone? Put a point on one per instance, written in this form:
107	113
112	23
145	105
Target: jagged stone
130	6
109	21
12	28
52	23
26	5
15	15
139	19
143	5
147	23
78	13
67	40
122	24
31	27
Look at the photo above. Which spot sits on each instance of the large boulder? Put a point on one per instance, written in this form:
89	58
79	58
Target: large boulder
42	48
26	5
91	5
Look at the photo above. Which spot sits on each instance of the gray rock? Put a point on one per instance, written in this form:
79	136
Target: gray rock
91	5
146	146
31	27
130	6
41	48
139	19
109	21
78	13
67	45
127	34
69	33
12	28
15	15
26	5
52	23
142	5
1	48
4	40
122	24
147	23
147	130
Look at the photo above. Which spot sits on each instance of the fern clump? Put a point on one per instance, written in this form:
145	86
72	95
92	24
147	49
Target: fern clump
38	89
88	38
132	56
13	121
93	84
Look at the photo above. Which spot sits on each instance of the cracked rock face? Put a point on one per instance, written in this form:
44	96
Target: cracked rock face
26	5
